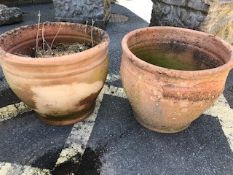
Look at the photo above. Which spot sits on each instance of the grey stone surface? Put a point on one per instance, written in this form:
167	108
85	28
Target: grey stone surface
181	13
228	91
7	97
201	5
27	141
83	11
23	2
30	15
210	16
128	148
10	15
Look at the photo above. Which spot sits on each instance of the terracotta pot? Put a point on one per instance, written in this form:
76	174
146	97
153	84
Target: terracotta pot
165	99
61	89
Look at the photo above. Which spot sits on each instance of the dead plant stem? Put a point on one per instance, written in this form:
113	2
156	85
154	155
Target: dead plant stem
43	39
37	35
51	46
92	24
86	30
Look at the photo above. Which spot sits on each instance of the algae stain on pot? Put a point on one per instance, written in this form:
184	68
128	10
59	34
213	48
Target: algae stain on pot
63	98
176	56
165	61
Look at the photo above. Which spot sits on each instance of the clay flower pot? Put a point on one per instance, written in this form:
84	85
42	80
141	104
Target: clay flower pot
61	89
172	75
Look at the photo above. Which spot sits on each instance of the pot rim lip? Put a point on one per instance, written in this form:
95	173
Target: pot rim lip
174	72
17	59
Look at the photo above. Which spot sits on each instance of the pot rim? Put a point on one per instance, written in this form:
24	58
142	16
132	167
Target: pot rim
17	59
173	72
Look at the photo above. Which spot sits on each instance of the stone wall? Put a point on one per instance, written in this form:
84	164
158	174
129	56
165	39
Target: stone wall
22	2
83	11
180	13
212	16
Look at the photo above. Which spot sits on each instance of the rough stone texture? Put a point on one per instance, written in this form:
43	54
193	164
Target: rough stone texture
180	13
83	11
213	16
10	15
23	2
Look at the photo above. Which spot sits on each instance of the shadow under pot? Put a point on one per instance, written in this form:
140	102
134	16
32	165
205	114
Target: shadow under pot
57	69
172	75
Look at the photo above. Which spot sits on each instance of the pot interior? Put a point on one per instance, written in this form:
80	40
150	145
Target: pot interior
179	50
178	56
23	41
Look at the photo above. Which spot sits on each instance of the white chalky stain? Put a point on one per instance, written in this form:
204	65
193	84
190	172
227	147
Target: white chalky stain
4	169
13	110
63	97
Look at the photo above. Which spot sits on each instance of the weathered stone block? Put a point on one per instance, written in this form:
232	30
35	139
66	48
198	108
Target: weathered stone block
213	16
83	11
177	2
22	2
10	15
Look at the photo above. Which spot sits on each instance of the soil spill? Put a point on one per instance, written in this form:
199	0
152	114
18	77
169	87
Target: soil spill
88	164
47	160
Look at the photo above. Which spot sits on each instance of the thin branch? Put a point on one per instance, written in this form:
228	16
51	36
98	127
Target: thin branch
86	27
92	24
37	35
51	46
43	38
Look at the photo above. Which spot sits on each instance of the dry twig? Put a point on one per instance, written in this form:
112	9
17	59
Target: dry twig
51	46
92	24
37	35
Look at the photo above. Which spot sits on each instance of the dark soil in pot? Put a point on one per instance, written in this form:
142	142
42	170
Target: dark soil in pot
60	49
48	50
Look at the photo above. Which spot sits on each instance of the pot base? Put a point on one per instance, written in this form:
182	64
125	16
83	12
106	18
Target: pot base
68	120
166	131
162	129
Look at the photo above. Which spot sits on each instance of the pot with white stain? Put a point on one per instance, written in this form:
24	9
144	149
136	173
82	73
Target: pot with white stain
63	89
172	75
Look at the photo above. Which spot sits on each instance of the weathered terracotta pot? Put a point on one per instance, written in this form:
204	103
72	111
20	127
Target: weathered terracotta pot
61	89
165	99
